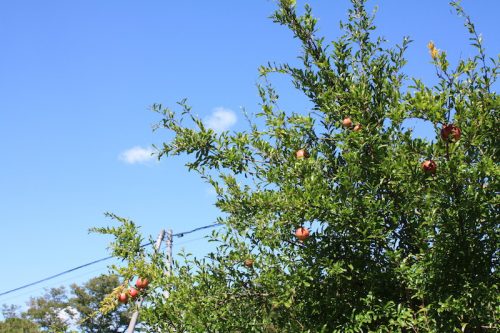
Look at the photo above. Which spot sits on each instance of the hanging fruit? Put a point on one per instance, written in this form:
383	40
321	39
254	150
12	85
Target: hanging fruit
301	153
142	283
133	292
249	262
450	133
123	298
429	167
347	122
302	233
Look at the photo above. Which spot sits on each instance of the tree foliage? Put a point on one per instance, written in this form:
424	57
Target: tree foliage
14	324
60	312
87	301
51	311
394	247
18	325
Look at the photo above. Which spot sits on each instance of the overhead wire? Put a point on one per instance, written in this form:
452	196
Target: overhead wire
53	284
189	241
55	275
179	234
182	234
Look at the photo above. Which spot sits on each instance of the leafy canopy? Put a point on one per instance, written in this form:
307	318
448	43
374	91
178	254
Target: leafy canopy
395	246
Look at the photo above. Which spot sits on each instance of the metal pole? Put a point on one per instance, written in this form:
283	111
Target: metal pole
169	258
170	241
135	315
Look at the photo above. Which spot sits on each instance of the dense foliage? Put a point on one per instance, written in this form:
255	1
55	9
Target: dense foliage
56	311
86	302
13	323
51	311
404	230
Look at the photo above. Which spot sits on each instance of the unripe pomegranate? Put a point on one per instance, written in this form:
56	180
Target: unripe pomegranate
249	262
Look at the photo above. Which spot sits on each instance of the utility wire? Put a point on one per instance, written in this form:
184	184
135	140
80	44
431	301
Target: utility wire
52	284
54	276
189	241
182	234
179	234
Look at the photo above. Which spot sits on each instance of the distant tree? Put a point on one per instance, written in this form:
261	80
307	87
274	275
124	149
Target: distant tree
56	311
13	323
10	311
50	311
86	303
18	325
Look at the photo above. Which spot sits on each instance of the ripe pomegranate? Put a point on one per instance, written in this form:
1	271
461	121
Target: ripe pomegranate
357	128
123	298
302	153
429	166
133	292
450	132
142	283
302	233
347	122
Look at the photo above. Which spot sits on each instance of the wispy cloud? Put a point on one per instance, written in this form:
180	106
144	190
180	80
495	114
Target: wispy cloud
137	155
221	119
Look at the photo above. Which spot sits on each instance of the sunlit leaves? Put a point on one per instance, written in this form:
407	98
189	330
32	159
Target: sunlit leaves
392	248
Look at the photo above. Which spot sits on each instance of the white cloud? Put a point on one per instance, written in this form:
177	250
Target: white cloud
221	119
136	155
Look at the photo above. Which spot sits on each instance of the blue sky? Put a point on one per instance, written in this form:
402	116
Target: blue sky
77	79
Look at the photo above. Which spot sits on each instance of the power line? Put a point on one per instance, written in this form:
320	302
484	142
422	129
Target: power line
54	276
180	234
31	291
189	241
